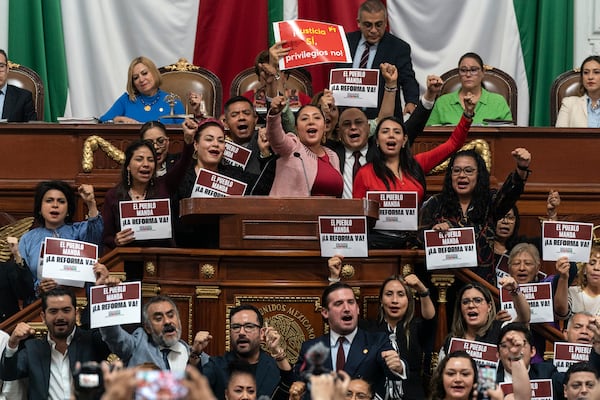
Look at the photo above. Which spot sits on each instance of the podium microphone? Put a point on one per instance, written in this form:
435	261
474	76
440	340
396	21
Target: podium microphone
296	154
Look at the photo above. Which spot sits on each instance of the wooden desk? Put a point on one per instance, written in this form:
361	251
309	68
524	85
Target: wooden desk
563	159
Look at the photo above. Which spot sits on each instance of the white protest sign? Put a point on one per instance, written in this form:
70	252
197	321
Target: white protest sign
346	236
69	262
115	305
149	219
397	210
454	248
571	239
213	184
539	297
354	87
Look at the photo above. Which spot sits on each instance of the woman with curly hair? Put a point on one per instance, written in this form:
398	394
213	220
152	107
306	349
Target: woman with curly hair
466	200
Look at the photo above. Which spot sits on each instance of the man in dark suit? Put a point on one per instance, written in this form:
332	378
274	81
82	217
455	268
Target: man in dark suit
357	133
246	332
368	355
49	362
16	104
382	46
515	343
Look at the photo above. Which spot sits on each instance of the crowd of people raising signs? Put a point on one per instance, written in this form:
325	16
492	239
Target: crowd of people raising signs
316	147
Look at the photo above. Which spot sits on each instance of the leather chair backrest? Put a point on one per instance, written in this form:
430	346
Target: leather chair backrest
247	80
182	78
566	84
494	80
26	78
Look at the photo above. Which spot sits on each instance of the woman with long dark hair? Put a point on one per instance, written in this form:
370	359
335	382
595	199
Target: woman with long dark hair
395	169
466	200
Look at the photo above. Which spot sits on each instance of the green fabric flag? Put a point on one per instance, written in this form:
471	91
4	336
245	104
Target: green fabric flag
546	29
275	15
35	39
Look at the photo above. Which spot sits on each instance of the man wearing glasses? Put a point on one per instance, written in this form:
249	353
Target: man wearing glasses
515	344
16	104
372	45
246	332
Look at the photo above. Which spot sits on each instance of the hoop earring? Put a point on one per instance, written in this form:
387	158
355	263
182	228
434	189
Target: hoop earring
195	155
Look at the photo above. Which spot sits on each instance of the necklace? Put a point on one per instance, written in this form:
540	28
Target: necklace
137	196
148	106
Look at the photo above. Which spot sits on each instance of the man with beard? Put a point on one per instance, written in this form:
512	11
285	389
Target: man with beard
245	335
50	361
158	341
368	355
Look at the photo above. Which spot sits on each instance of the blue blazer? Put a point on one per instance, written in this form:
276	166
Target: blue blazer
18	105
363	361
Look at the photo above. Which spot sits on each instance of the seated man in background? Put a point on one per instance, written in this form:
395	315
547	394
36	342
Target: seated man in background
16	104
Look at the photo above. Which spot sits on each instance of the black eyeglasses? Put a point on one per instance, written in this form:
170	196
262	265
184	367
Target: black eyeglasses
472	70
248	327
475	300
3	66
159	142
468	171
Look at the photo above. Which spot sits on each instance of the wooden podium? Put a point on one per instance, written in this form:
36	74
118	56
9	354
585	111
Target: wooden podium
267	223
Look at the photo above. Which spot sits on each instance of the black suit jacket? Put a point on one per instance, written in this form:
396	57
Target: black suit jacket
33	360
364	359
18	105
397	52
